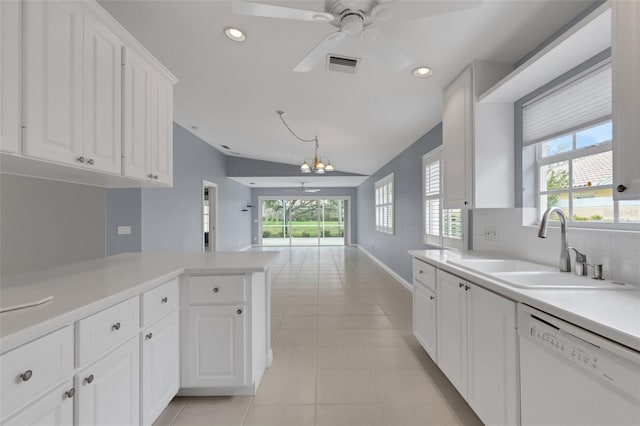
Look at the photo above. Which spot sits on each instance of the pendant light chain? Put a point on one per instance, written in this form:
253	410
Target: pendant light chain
309	164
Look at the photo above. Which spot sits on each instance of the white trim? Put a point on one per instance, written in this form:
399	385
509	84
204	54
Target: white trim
390	271
246	248
347	223
205	184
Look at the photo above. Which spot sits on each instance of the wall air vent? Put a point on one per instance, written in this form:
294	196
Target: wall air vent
342	64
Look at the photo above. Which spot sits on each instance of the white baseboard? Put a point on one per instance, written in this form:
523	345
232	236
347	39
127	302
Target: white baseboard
246	248
390	271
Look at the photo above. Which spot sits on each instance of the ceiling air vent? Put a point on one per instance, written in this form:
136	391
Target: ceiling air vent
342	64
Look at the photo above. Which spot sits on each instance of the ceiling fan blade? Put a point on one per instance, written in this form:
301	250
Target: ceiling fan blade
385	50
409	10
241	7
319	52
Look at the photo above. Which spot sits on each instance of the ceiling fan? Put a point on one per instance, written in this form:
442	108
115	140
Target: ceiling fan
303	188
355	17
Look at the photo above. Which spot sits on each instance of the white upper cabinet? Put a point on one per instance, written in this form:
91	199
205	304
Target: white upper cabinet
477	140
148	121
102	97
93	97
53	80
457	137
10	96
162	130
626	98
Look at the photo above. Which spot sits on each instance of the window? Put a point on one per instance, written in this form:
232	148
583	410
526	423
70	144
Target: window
384	204
442	227
571	130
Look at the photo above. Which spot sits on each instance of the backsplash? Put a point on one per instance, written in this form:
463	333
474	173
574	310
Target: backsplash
618	251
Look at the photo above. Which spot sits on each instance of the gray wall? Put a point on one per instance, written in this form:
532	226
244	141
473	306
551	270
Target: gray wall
171	218
407	169
291	192
45	223
124	208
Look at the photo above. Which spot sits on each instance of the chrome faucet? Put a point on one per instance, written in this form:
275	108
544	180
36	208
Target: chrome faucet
565	259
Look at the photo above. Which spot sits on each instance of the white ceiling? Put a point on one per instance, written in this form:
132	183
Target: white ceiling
231	91
295	181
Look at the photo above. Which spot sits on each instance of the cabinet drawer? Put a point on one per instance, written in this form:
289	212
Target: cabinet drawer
424	273
216	289
30	370
101	332
159	301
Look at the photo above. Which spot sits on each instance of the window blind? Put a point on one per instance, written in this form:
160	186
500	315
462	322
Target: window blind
384	204
584	101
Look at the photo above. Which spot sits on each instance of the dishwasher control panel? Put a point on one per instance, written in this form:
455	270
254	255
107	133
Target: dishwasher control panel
617	372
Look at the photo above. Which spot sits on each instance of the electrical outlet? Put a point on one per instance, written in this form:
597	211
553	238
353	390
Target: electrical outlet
490	233
124	230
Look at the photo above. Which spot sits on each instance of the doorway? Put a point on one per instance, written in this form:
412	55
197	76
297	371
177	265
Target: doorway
303	221
209	216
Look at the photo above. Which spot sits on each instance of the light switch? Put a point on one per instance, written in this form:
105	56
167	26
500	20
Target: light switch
124	230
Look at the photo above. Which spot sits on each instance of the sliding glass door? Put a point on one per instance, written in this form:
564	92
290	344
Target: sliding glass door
303	222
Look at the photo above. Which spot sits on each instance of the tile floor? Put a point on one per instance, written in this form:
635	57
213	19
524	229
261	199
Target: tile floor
344	354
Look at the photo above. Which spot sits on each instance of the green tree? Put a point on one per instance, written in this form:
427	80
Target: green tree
556	179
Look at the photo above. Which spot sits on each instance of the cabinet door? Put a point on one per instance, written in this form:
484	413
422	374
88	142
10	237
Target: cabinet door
137	76
162	130
102	97
108	391
626	98
215	346
10	96
52	80
452	329
424	317
493	372
160	366
457	143
55	408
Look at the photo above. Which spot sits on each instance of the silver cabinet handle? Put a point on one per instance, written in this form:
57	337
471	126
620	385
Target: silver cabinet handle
460	285
90	162
150	175
80	159
70	393
148	336
431	297
421	272
164	300
26	375
239	311
216	289
89	379
116	326
155	177
467	288
621	188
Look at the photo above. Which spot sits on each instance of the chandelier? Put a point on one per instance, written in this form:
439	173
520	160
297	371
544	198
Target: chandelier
315	163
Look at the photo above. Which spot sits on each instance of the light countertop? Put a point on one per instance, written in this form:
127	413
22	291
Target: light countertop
614	314
83	288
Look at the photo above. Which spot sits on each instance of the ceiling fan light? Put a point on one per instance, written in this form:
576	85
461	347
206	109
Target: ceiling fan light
328	167
305	168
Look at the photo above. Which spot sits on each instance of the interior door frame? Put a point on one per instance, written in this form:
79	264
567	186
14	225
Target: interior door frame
207	184
347	222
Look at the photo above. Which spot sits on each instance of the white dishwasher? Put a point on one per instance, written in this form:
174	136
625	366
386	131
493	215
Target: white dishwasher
570	376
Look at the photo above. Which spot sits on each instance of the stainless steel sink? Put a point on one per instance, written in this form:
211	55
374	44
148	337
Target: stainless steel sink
522	274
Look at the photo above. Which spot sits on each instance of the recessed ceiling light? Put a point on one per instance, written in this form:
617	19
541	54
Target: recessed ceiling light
422	72
234	34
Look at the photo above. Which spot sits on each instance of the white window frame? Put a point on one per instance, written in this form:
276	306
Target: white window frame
432	239
384	184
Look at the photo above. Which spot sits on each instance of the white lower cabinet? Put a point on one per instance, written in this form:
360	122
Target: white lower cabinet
55	408
216	349
160	379
108	391
424	317
477	348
